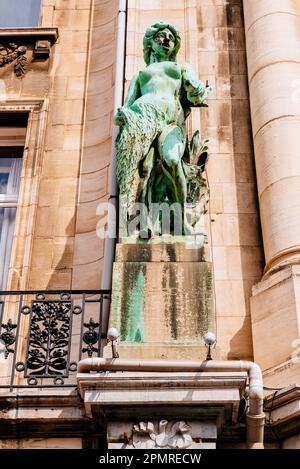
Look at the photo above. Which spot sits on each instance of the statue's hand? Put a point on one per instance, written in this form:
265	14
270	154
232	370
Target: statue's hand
119	119
196	91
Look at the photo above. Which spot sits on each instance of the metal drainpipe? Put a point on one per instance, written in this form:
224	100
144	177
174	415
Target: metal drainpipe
255	416
110	243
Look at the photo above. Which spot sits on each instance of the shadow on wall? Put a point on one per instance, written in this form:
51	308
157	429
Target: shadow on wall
63	268
227	122
79	266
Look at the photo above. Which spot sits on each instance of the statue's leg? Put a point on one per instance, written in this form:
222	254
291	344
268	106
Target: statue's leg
147	166
145	192
171	147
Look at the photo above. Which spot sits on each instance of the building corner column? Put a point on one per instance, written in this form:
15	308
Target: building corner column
272	31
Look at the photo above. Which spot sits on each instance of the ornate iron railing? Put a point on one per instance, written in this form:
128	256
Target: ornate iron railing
43	334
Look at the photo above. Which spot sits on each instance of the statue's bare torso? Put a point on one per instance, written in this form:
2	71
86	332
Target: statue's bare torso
160	85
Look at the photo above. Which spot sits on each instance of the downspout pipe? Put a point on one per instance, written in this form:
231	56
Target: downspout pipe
110	241
255	416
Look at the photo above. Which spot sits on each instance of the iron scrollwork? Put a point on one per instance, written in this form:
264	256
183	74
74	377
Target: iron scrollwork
91	337
49	340
8	337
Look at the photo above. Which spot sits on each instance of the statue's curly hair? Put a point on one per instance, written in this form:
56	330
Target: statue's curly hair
149	35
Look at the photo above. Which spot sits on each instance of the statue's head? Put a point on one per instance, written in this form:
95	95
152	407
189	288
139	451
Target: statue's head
161	35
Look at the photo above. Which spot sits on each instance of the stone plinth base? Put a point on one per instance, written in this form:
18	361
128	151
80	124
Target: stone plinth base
275	314
162	294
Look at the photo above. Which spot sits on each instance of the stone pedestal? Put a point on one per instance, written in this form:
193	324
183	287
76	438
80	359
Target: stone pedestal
162	301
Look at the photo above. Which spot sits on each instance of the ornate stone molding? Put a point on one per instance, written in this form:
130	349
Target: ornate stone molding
156	434
24	45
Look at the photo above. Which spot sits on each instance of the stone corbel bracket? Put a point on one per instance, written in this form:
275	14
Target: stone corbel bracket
16	42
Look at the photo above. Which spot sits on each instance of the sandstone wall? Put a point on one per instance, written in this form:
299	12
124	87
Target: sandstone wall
56	245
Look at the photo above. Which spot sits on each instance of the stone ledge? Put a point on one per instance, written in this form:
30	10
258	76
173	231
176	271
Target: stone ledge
283	410
283	397
30	33
192	394
34	406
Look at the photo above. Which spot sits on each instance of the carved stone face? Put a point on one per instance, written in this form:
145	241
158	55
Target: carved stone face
163	43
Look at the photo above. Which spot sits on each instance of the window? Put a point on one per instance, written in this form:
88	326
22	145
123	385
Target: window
12	138
10	170
19	13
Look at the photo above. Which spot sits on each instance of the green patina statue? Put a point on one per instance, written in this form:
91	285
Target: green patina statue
156	164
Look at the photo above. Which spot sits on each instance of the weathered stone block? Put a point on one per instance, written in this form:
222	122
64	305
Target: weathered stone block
162	293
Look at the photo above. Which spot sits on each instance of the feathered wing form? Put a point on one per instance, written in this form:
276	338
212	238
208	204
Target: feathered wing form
141	127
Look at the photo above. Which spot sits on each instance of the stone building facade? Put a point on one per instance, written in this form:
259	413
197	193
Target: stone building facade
58	94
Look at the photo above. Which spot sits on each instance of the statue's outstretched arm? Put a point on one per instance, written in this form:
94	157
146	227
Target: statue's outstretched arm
196	91
134	92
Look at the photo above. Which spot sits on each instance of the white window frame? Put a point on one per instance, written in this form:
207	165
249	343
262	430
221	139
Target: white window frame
18	276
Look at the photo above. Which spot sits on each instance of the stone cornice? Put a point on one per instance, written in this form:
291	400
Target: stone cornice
11	400
283	411
216	394
29	33
282	397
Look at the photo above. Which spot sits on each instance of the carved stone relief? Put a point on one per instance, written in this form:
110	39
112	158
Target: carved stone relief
12	52
20	49
162	434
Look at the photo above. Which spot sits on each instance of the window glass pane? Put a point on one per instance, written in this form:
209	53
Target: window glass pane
10	169
18	13
1	220
7	223
3	181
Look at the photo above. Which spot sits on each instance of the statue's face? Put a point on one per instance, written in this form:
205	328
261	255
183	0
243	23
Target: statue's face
163	43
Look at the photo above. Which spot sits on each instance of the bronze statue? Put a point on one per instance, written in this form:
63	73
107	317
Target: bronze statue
156	163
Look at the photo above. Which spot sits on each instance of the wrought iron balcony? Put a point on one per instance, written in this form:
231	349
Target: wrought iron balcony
43	334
